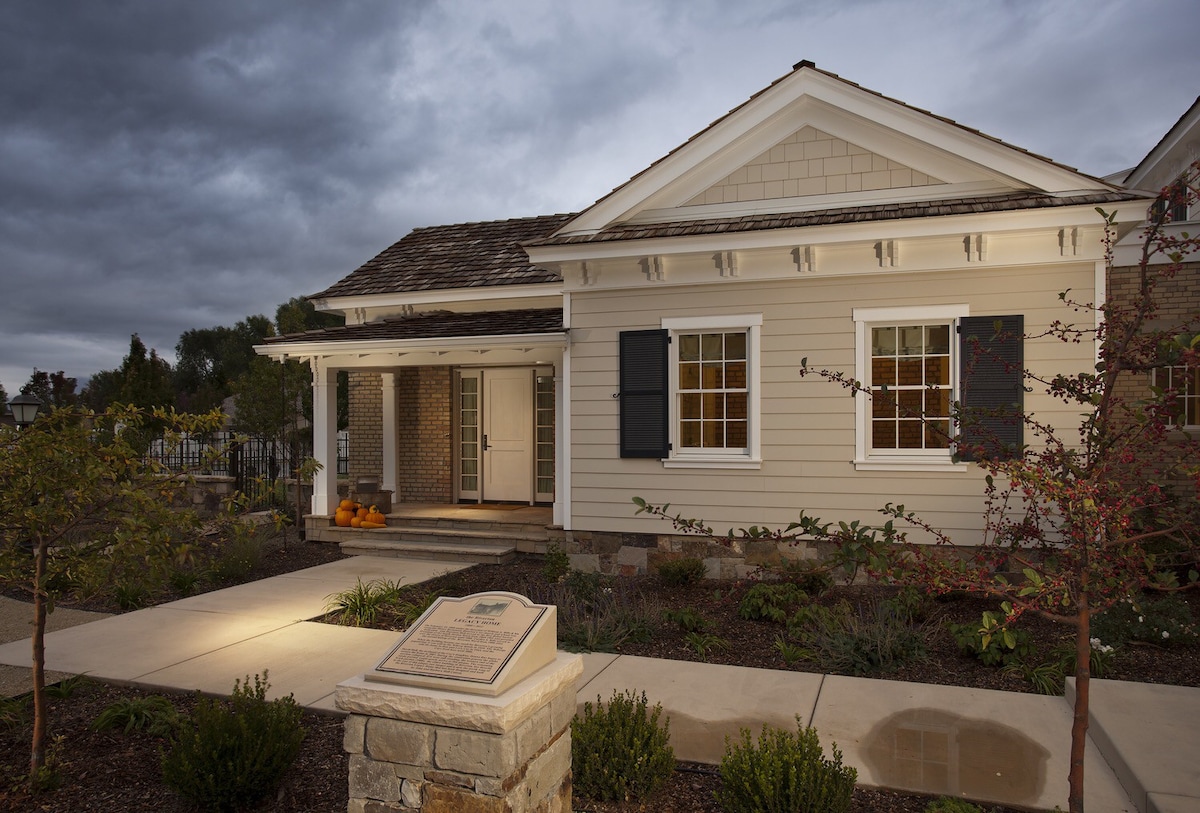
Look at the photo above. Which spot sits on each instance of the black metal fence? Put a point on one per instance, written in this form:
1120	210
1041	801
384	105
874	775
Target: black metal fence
256	464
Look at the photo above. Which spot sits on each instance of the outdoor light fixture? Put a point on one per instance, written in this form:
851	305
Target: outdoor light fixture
24	409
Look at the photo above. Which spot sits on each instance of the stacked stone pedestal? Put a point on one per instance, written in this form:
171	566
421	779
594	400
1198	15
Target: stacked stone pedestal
436	751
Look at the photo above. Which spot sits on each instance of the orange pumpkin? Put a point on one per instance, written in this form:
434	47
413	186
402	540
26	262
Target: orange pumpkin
374	516
346	505
342	517
361	513
356	522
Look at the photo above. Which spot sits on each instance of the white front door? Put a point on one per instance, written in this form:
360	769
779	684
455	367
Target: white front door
506	434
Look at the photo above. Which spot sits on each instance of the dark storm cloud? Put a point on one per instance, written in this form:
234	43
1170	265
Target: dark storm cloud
169	166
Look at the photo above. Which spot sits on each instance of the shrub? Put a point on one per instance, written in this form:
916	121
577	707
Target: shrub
784	773
241	552
809	575
66	687
1050	676
595	618
619	751
229	754
1163	621
679	572
131	595
555	564
687	618
13	712
872	638
1000	649
771	601
154	714
360	605
949	804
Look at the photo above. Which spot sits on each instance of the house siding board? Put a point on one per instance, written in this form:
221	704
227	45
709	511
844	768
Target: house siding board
808	425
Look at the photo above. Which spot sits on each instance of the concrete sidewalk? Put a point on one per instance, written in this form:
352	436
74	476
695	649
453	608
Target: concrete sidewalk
1144	753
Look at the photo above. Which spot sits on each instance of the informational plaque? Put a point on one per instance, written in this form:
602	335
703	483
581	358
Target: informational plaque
481	644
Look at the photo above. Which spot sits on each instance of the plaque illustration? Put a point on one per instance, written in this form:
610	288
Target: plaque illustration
489	608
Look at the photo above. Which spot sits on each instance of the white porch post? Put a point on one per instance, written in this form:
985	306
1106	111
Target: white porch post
325	495
562	441
390	472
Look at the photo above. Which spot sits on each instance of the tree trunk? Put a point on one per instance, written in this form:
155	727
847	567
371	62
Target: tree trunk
1083	678
37	755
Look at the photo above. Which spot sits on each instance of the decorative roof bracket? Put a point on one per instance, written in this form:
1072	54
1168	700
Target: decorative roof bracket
888	253
976	247
653	268
805	258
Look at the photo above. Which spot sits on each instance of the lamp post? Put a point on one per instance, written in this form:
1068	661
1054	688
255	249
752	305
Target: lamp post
24	409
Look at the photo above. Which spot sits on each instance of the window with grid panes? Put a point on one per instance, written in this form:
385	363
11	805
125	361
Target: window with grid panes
1184	383
911	385
712	393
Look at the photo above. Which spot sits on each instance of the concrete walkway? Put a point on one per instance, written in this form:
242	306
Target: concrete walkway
1144	753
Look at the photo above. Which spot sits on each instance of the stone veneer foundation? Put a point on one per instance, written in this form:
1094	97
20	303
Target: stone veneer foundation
434	751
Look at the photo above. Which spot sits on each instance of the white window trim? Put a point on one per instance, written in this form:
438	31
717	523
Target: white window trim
1190	428
864	459
708	459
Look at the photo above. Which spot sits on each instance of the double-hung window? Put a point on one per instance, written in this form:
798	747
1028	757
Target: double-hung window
1184	383
914	365
701	409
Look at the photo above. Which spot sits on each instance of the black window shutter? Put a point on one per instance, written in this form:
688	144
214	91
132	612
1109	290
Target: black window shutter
643	391
991	364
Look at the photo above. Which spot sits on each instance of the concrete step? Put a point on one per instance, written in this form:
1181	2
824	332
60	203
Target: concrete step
443	550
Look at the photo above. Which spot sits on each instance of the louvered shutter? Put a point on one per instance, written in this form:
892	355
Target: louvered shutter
992	386
644	394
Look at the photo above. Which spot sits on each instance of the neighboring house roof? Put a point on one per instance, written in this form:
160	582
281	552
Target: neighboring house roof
466	255
852	214
438	325
1182	137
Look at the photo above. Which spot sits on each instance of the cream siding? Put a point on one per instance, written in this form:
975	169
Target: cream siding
808	424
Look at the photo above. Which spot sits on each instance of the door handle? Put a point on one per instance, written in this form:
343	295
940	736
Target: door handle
485	443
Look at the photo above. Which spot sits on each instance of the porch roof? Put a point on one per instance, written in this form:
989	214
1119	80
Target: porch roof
436	325
1014	201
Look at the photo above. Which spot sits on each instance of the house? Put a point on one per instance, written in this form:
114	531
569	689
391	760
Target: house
651	345
1179	297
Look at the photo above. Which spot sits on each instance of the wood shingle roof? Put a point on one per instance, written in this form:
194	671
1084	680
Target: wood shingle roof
466	255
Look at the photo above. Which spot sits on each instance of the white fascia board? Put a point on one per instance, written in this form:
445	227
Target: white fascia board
940	226
315	349
446	295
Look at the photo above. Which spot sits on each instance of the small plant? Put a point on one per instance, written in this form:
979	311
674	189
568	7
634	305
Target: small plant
1162	621
619	751
791	653
407	612
869	639
360	605
687	618
183	580
66	687
680	572
704	642
13	712
555	564
771	601
229	754
809	575
784	772
131	595
993	648
1050	676
153	714
241	552
949	804
595	618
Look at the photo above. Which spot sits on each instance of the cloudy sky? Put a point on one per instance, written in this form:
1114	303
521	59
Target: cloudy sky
175	165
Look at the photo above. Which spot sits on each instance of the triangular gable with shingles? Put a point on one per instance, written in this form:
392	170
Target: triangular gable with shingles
813	141
812	162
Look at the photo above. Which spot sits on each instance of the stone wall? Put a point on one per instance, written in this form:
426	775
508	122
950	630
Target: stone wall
365	425
627	554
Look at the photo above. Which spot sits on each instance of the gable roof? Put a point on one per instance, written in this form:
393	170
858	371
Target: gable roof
1170	156
917	154
465	255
